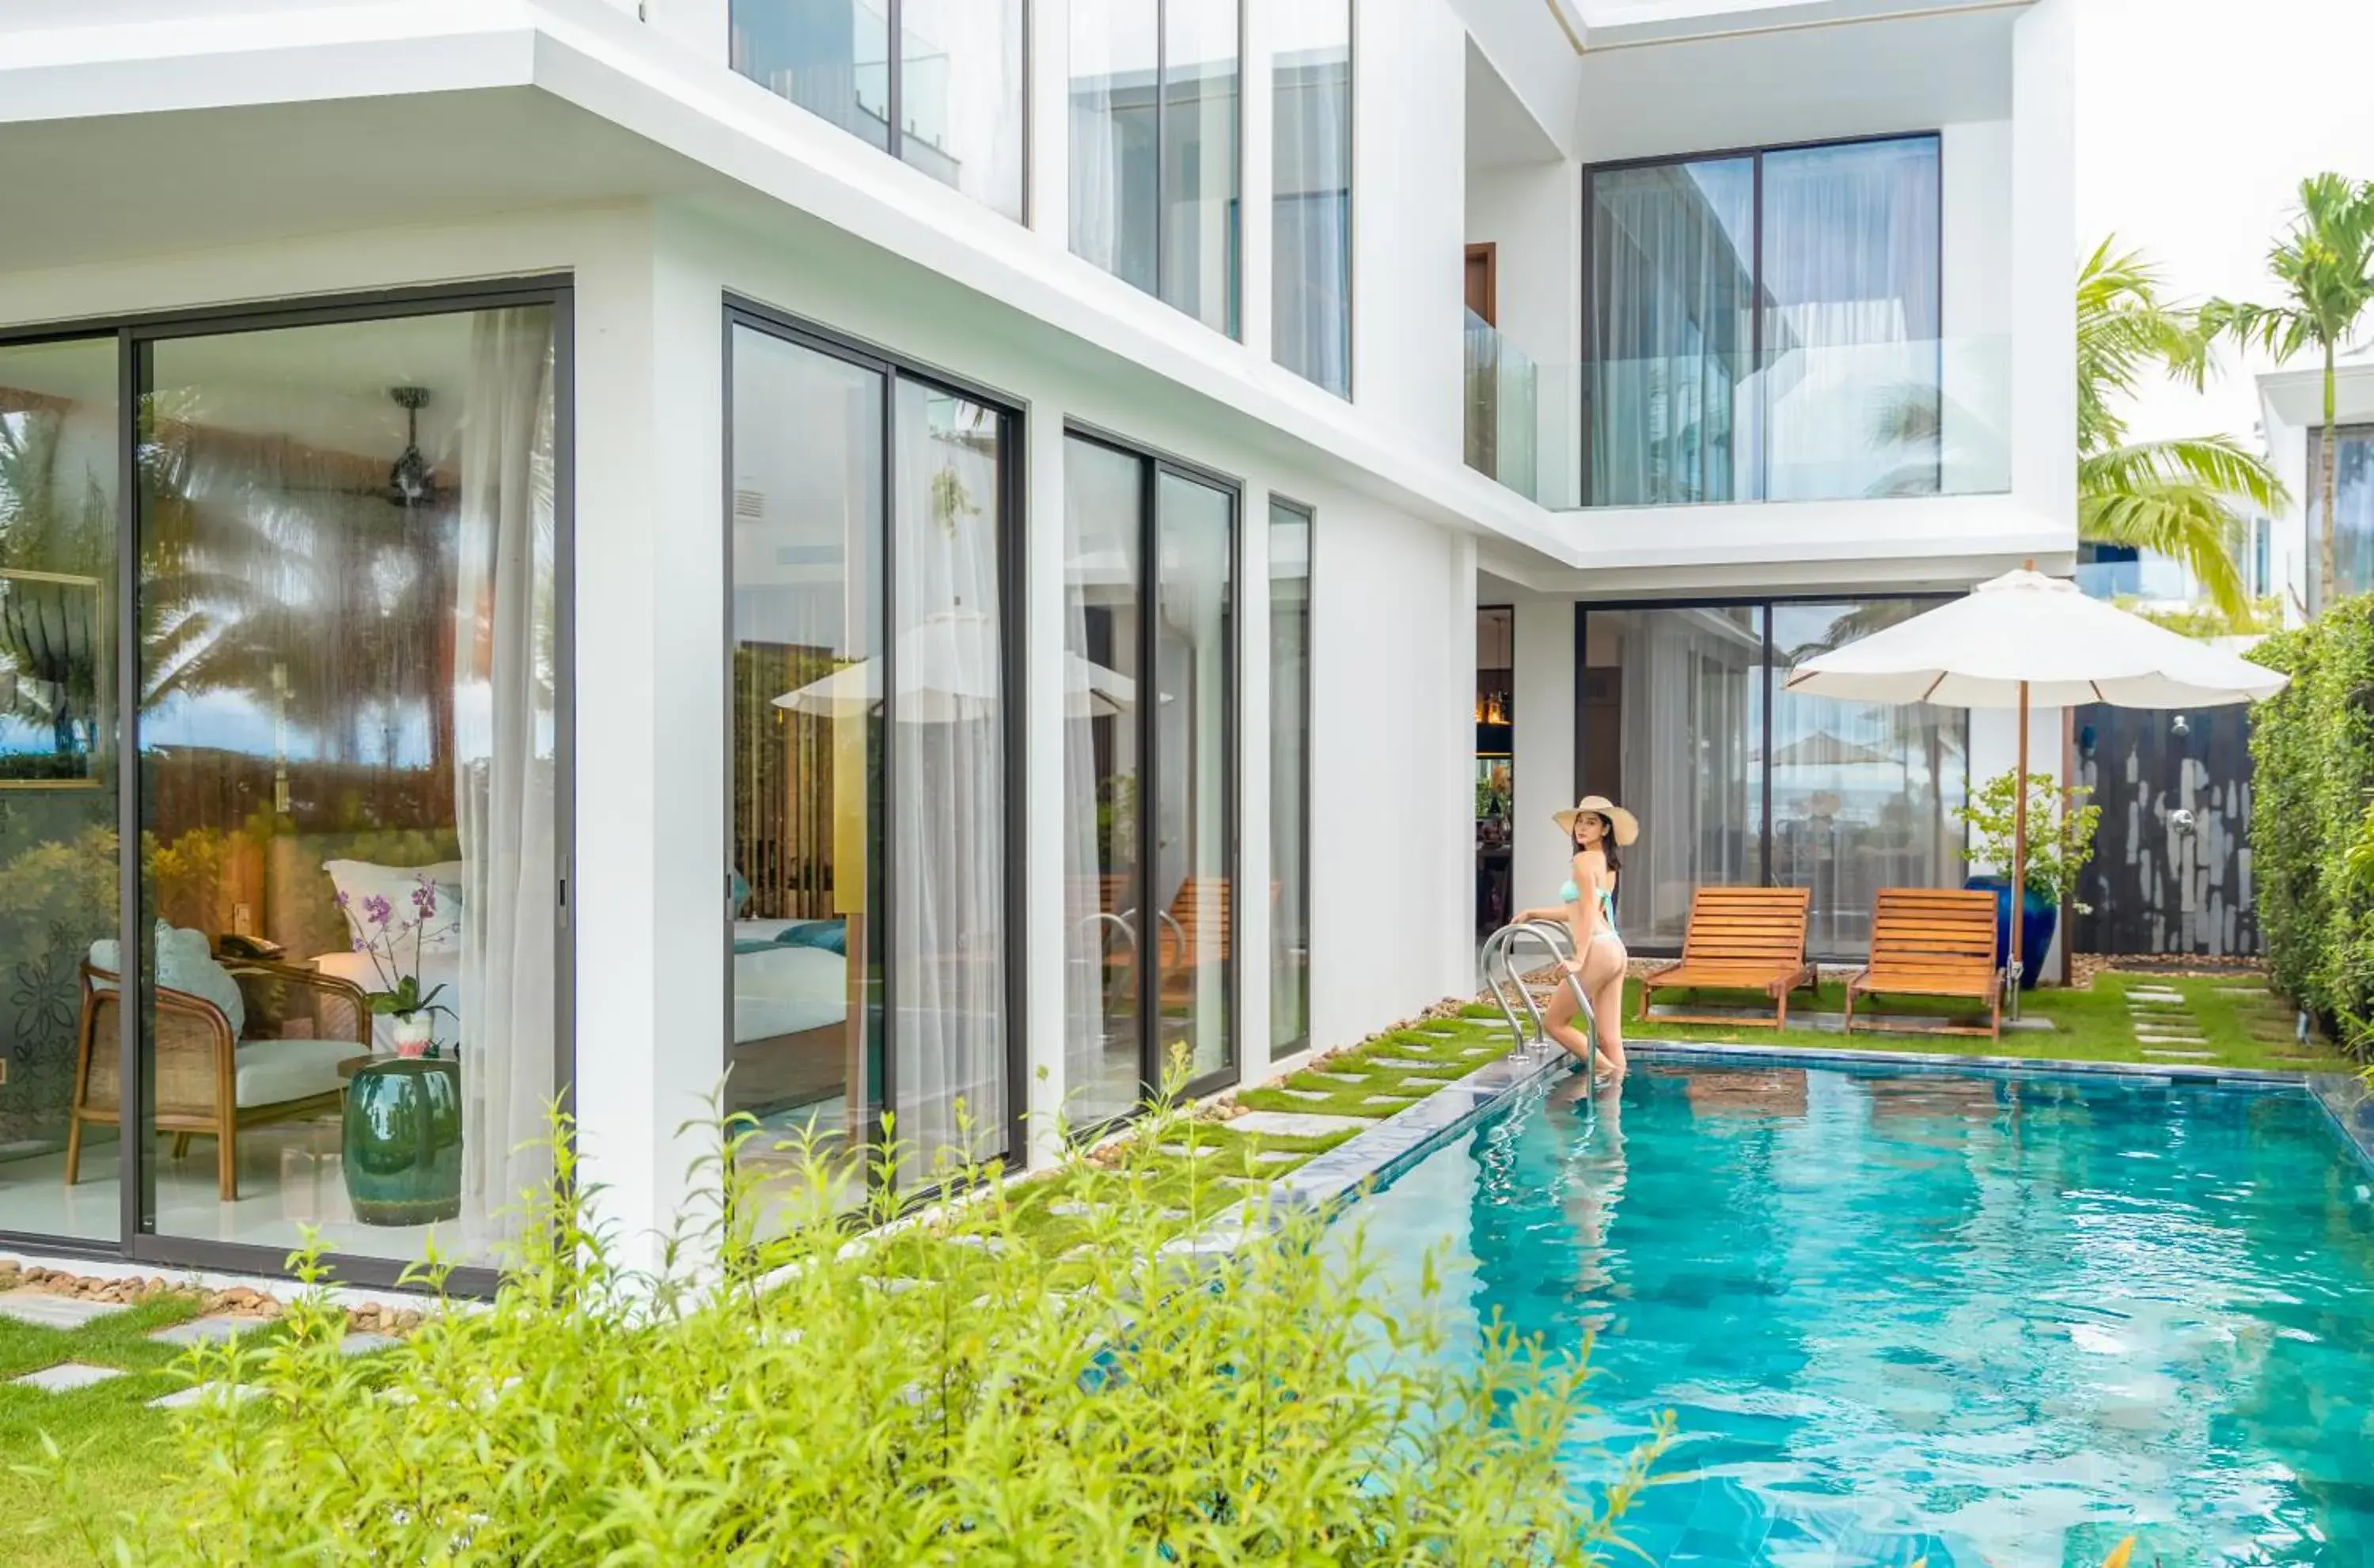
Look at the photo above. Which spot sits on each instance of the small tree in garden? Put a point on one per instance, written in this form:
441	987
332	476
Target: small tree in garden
995	1382
2059	841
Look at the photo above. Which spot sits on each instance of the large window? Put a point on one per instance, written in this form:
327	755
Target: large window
946	97
1154	162
1737	782
1150	754
1767	326
1311	283
868	873
2352	513
325	994
1289	777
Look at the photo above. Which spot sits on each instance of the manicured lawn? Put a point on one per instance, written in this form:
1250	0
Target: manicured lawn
2243	1031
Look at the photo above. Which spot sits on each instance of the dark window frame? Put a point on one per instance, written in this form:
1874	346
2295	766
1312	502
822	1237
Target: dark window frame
132	334
742	312
1766	604
1755	154
1153	464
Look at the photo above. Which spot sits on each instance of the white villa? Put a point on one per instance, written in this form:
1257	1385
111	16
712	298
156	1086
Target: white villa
941	555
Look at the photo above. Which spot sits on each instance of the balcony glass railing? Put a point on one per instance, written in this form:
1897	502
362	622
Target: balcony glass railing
1836	422
2151	578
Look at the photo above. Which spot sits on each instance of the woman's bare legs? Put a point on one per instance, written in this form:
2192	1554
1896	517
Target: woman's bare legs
1603	967
1560	1021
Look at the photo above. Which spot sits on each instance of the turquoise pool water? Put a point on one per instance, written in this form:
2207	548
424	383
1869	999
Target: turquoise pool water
1990	1320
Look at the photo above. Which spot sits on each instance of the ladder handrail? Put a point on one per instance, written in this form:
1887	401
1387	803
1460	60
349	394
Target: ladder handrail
1497	960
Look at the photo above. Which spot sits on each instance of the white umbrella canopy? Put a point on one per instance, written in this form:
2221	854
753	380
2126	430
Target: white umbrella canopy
2024	639
2027	638
947	672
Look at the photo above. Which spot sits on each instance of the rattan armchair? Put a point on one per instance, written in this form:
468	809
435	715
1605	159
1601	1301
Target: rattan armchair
198	1085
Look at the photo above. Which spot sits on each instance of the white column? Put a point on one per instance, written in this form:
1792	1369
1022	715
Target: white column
1542	768
1049	176
1259	175
1044	935
1454	704
2044	262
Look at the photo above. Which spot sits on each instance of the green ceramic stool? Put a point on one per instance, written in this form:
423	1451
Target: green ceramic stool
403	1141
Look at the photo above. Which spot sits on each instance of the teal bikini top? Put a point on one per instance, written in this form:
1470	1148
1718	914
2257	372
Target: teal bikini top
1570	893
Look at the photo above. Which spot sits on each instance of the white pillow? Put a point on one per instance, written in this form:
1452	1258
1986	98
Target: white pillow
359	882
185	964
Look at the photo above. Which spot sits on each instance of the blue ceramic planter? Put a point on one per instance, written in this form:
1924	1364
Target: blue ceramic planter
2038	916
403	1141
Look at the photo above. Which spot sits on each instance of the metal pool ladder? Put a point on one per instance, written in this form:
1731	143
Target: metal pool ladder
1501	974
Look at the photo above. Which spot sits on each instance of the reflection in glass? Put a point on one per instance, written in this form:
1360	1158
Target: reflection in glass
1199	160
1672	724
348	679
1863	794
832	57
2352	513
1672	303
947	873
1312	174
1103	586
1192	883
1115	62
1852	366
805	865
1290	779
960	97
58	884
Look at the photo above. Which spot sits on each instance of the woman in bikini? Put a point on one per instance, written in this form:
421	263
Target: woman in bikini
1596	828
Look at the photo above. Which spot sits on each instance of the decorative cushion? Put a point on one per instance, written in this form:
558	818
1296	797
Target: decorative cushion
359	882
273	1072
185	963
832	936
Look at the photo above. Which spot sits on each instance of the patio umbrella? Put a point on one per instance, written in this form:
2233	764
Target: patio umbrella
2022	638
948	671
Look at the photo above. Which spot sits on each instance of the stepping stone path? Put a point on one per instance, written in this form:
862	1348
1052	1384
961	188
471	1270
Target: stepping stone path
1297	1124
66	1375
199	1393
1320	1095
1406	1065
1341	1078
44	1310
205	1331
2163	1025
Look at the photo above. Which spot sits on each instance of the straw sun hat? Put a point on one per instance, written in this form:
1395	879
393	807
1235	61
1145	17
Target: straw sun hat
1626	826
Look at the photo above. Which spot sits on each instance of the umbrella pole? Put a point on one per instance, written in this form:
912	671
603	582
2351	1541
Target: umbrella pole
2019	852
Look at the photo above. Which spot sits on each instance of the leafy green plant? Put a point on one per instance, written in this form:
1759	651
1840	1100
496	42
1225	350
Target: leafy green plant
988	1382
2325	268
2060	840
2256	619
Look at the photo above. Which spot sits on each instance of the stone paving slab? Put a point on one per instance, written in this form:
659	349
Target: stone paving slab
66	1375
1298	1124
1407	1065
44	1310
1307	1094
1345	1077
2177	1056
1391	1099
359	1342
1181	1151
229	1392
206	1331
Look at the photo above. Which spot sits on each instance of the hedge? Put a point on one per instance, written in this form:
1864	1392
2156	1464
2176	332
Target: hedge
2312	763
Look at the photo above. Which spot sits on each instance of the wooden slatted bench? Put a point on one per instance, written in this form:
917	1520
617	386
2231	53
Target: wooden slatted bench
1936	942
1749	939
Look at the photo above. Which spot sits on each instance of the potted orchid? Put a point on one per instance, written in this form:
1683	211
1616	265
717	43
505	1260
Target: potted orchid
381	934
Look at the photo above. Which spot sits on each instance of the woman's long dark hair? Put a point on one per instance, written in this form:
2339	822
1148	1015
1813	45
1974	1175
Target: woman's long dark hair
1606	839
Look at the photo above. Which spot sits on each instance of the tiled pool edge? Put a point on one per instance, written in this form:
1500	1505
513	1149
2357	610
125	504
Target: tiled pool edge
1378	1153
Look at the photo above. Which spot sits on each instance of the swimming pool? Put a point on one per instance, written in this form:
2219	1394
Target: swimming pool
1988	1319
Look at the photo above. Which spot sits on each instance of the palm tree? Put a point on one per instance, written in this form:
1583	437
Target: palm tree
2326	267
2175	497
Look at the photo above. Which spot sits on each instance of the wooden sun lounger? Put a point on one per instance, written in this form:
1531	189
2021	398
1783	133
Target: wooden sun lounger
1937	943
1749	939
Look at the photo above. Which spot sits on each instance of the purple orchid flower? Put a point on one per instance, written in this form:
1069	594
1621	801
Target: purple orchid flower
378	910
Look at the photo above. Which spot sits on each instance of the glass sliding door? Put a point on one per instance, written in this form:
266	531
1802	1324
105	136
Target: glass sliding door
350	679
937	83
1289	777
1149	788
1194	797
1104	591
805	866
59	771
1311	277
869	865
1154	158
1737	782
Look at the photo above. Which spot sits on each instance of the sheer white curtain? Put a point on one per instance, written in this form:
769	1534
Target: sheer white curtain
1692	689
1114	63
504	674
1311	180
947	811
1851	367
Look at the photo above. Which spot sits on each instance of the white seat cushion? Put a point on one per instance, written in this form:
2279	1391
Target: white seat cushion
273	1072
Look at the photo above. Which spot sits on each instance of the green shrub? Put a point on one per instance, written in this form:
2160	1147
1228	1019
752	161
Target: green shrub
981	1386
2312	765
